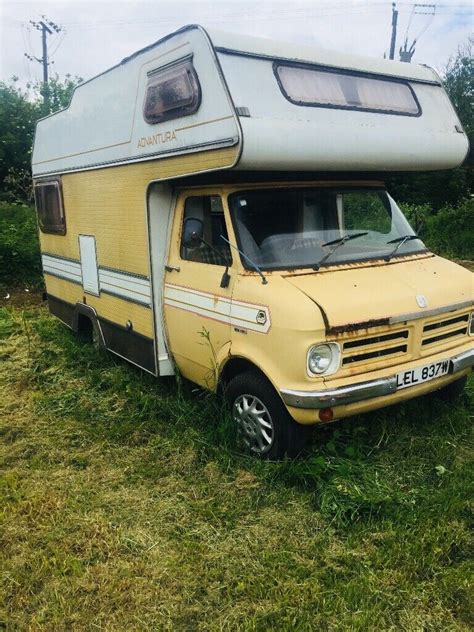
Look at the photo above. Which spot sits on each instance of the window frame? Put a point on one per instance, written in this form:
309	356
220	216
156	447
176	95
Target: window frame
51	229
227	222
326	264
181	111
350	73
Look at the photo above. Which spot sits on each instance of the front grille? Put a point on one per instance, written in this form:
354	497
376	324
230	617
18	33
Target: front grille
374	354
375	339
392	344
444	329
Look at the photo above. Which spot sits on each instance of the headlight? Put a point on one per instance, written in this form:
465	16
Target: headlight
324	358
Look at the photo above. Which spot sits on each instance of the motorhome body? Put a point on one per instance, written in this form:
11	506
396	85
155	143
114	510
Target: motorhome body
214	205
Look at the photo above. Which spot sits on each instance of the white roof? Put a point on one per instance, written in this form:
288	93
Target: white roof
276	49
243	105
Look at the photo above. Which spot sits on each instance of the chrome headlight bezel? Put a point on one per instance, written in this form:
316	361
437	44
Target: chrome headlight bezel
333	350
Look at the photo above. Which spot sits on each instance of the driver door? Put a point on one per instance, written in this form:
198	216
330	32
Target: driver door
196	307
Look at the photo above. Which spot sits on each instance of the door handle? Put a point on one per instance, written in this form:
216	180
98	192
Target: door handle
172	268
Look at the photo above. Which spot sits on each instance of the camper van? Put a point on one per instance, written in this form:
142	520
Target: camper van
214	205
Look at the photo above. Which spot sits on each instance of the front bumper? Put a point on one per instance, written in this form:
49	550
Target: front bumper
363	390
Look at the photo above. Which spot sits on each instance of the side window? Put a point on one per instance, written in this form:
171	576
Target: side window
49	206
171	93
346	90
208	247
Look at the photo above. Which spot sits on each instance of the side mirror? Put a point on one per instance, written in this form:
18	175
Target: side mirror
192	232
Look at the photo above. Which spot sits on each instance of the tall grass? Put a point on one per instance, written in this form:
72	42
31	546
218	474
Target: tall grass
126	506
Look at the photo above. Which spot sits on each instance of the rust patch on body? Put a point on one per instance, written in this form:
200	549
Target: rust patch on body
356	327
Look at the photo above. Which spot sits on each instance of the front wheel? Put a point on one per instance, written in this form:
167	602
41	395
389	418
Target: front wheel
263	424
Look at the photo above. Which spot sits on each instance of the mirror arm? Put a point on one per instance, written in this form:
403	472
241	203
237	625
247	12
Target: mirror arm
254	265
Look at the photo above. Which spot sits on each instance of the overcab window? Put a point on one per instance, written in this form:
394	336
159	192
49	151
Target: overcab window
172	92
346	90
49	207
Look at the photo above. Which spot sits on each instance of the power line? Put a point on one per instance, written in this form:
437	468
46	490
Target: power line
46	28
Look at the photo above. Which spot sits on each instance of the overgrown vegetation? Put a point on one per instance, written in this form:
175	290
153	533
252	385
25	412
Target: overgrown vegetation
125	507
449	231
20	262
19	111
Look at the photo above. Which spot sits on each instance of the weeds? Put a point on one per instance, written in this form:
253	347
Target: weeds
126	506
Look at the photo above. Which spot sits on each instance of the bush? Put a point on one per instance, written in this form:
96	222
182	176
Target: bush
451	231
448	231
20	261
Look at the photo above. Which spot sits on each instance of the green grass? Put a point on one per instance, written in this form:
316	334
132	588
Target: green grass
126	507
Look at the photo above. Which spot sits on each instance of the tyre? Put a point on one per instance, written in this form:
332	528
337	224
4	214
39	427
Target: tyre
263	424
452	391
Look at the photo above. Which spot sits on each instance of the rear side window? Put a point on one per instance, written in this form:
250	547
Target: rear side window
172	92
49	206
346	90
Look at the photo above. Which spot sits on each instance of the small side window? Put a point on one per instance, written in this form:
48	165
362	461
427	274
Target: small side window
171	93
203	225
49	206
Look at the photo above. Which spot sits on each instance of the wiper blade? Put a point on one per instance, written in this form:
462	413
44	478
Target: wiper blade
337	243
399	241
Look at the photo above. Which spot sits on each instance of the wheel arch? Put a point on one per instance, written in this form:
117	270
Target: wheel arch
86	321
236	365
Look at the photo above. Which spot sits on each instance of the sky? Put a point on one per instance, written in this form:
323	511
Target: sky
96	35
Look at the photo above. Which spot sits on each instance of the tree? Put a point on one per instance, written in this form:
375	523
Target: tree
459	84
18	115
19	111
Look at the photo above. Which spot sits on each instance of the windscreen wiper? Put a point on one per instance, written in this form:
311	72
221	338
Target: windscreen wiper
399	241
337	243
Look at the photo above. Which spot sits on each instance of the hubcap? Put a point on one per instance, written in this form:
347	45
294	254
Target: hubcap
254	423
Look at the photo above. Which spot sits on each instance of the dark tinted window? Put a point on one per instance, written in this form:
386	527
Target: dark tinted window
50	208
171	93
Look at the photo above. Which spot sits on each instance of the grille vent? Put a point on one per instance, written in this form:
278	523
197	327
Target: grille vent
444	329
383	345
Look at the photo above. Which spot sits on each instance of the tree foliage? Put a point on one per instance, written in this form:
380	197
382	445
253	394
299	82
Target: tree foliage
19	111
18	115
459	84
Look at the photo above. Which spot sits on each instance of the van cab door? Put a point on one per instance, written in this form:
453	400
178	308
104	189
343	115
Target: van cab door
197	292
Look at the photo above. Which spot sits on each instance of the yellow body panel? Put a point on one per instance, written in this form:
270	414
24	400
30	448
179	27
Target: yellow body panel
109	307
65	290
205	324
305	306
111	204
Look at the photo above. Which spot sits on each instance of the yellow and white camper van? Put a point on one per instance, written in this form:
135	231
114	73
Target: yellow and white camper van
215	205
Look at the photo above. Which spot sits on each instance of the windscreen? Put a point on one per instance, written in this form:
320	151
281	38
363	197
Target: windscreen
308	227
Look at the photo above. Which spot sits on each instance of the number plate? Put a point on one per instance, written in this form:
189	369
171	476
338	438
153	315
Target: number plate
422	374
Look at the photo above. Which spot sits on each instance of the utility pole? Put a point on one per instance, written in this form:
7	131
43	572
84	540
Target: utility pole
394	30
406	53
45	27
